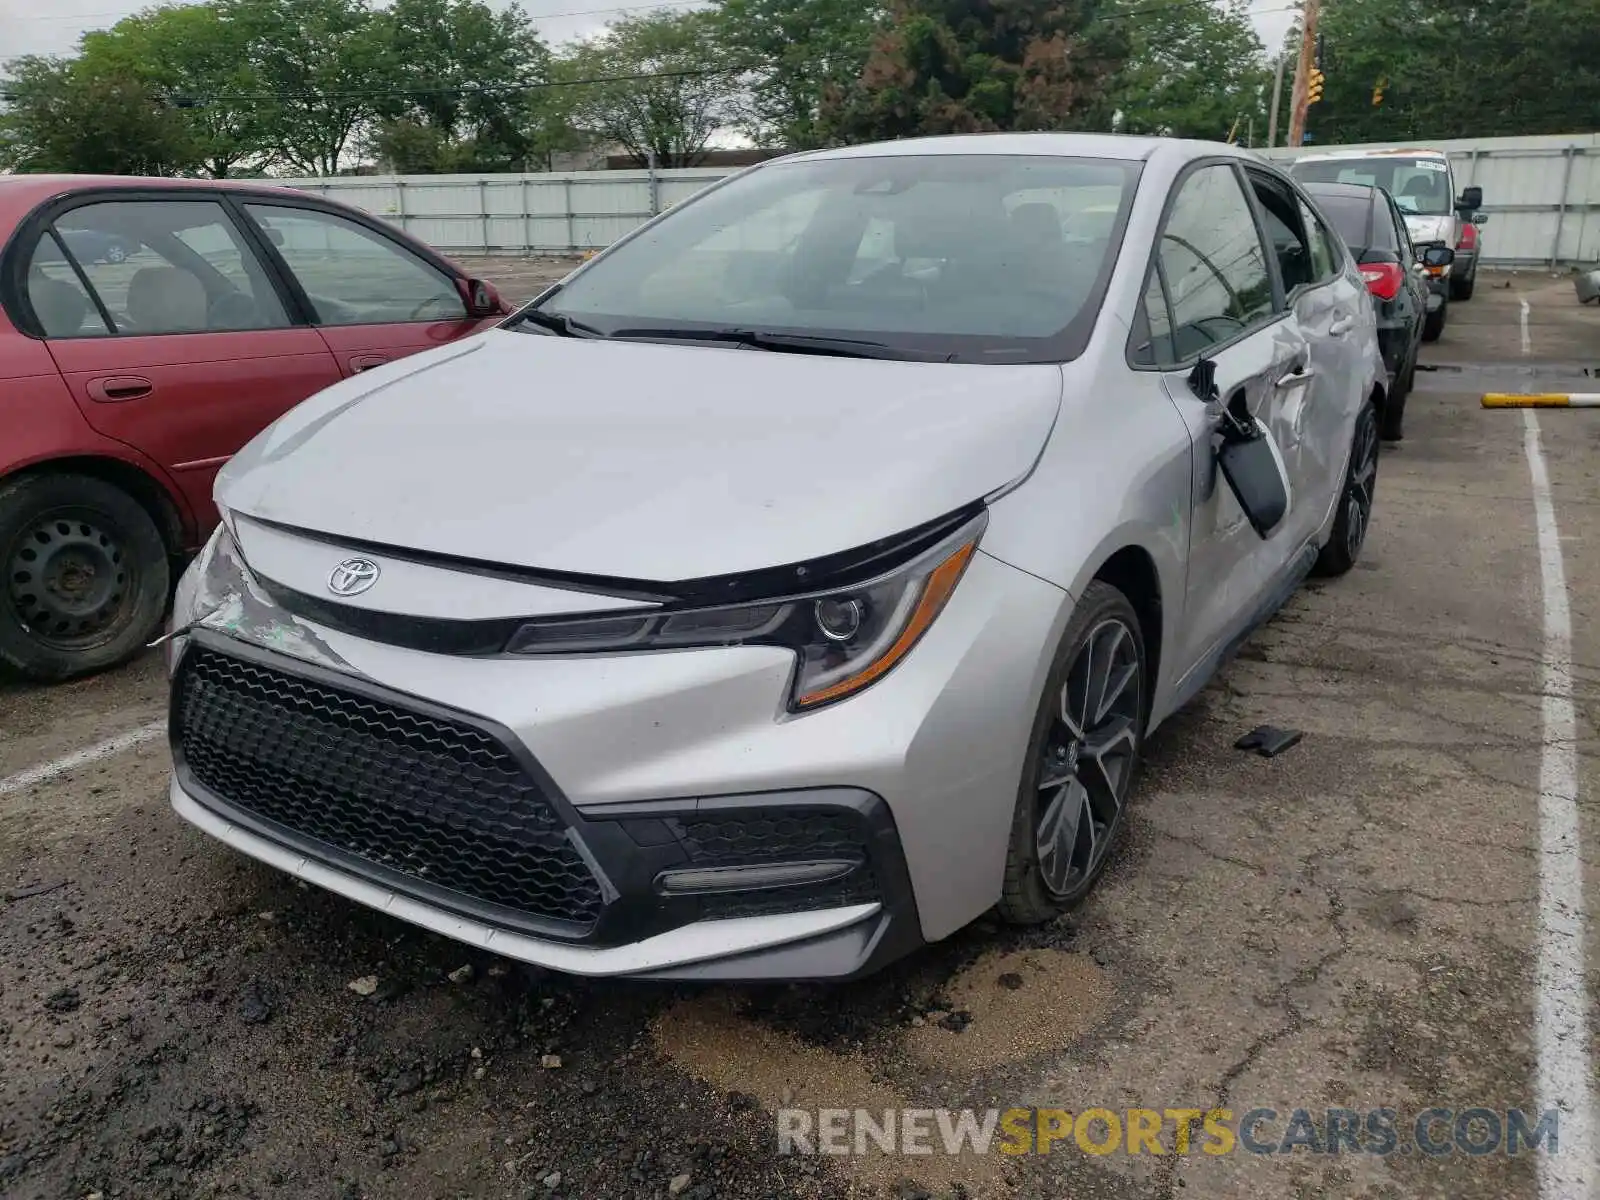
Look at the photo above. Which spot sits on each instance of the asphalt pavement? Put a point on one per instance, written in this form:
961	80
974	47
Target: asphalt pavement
1371	921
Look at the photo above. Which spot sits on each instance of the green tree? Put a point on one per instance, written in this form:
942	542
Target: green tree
68	115
960	66
1192	71
797	50
198	57
461	72
653	84
1494	68
324	68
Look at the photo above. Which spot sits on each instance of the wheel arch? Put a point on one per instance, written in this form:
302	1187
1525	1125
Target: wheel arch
1132	570
146	490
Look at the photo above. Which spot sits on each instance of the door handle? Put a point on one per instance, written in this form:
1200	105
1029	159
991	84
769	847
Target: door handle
1297	376
116	388
1342	325
365	362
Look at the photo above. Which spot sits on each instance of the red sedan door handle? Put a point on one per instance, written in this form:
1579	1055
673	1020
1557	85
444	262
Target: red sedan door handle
117	388
365	362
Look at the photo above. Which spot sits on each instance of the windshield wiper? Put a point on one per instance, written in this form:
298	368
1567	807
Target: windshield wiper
557	323
782	343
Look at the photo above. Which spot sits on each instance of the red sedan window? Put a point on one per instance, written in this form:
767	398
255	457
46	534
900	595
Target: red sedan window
178	266
352	275
57	296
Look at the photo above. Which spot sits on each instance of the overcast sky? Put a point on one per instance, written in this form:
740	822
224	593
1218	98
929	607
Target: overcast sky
54	26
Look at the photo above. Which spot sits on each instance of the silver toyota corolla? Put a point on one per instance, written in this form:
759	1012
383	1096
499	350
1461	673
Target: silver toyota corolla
799	579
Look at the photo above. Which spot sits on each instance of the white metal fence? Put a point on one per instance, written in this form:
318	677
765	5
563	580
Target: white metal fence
1542	195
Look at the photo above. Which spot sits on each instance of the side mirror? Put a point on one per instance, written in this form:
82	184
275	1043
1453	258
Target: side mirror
480	298
1436	258
1480	218
1471	199
275	236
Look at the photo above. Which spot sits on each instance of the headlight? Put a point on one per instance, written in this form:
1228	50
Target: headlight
844	640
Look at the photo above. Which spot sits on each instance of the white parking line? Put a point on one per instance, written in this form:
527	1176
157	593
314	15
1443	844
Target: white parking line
1561	1015
1527	342
69	762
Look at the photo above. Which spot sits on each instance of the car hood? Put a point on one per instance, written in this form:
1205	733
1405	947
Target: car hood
1426	229
641	460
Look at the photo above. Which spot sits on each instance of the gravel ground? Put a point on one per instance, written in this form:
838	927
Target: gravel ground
1348	924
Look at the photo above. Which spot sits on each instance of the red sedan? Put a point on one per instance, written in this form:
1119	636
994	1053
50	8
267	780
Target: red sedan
148	329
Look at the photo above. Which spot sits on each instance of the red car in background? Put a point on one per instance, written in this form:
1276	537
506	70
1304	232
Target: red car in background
128	378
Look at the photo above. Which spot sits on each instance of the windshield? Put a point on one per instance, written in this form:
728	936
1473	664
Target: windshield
972	257
1420	186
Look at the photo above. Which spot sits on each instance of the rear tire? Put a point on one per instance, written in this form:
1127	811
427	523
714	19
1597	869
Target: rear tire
1083	759
1355	499
1461	289
1394	408
1433	323
83	576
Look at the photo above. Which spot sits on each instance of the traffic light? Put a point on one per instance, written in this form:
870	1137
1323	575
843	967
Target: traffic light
1377	92
1314	86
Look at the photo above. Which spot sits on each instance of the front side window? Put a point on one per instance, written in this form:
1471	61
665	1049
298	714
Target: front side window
354	276
983	257
167	266
1419	185
1215	266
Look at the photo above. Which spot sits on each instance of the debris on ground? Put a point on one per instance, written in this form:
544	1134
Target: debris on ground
1269	741
364	986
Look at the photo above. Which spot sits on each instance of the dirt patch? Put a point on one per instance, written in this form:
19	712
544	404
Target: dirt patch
1012	1006
709	1039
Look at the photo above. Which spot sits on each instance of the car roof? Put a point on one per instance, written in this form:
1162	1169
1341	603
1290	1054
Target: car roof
21	194
1057	145
1380	152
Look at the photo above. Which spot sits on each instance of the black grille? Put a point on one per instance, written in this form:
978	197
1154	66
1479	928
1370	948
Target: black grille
432	798
780	835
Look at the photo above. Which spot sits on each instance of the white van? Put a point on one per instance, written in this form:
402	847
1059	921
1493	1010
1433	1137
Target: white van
1424	188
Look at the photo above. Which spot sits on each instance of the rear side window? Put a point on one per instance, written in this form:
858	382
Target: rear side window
60	302
1324	252
164	267
1214	263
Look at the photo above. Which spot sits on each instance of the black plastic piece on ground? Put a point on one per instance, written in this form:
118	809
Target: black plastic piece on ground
1269	741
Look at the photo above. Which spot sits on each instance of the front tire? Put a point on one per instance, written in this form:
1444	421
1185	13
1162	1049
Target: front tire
1355	499
83	576
1083	757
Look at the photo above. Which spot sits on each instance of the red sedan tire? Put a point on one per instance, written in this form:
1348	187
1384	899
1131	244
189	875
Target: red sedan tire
84	576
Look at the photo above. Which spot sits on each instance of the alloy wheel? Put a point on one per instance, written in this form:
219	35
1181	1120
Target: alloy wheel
1089	756
68	579
1360	490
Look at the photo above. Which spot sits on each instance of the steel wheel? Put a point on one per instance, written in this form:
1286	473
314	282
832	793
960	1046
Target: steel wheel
69	580
1089	755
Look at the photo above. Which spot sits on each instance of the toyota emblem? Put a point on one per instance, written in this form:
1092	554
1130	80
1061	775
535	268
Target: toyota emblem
353	576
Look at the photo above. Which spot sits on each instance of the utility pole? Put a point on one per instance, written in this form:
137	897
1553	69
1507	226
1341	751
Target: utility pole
1277	94
1302	72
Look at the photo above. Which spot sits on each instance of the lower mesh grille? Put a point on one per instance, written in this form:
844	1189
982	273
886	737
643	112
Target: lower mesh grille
435	799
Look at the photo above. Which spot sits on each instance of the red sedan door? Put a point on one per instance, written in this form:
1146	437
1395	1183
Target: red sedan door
182	348
374	298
